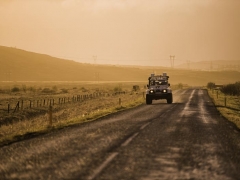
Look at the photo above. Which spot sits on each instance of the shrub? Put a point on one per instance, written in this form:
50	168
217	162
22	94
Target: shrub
64	90
33	89
117	89
83	89
231	89
47	90
210	85
136	88
54	88
15	89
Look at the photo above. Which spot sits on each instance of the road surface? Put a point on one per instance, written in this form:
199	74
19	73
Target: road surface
184	140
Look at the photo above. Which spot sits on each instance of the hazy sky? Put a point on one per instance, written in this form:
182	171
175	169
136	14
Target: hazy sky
144	32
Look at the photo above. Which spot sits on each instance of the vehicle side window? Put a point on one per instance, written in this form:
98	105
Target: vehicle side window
152	83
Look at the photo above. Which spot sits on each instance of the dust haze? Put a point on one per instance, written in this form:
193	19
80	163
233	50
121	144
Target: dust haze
137	32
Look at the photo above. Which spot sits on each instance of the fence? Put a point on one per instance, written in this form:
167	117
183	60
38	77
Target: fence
222	99
46	102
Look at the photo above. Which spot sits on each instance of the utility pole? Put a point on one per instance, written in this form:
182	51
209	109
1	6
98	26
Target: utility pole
172	61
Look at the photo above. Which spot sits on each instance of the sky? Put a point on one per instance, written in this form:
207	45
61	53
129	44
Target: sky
130	32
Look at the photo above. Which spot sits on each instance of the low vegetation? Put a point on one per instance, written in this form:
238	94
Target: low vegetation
227	101
231	89
15	125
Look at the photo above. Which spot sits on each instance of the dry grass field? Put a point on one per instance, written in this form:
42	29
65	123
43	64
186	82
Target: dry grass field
228	106
91	100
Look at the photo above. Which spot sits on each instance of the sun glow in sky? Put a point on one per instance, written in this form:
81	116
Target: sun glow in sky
141	32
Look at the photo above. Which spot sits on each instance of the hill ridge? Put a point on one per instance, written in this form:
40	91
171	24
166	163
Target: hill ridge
20	65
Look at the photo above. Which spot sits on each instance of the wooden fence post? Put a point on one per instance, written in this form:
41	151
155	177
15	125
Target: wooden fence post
50	116
16	108
22	105
8	108
225	101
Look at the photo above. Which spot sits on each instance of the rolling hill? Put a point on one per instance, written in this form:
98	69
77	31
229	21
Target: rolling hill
21	65
217	65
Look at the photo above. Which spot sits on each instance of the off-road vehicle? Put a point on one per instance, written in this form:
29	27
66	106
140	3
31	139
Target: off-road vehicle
158	88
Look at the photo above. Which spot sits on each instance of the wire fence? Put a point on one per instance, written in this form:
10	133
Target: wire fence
224	100
21	105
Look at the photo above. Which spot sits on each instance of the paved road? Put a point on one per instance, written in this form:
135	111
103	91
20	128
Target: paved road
184	140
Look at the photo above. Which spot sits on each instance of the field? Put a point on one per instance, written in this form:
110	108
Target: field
228	106
25	108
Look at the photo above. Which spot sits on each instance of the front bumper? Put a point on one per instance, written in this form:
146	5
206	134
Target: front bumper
158	95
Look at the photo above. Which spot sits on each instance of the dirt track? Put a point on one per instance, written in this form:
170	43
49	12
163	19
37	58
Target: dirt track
184	140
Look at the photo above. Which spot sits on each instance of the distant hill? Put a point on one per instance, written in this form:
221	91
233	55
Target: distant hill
217	65
20	65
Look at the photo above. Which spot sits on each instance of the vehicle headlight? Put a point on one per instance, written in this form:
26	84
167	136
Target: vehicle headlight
164	90
151	91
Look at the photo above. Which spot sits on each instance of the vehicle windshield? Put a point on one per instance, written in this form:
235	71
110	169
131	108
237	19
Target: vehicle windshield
152	83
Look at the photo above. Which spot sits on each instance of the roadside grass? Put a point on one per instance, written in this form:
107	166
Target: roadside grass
231	109
68	115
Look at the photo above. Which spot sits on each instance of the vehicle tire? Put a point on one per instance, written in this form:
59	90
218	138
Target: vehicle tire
148	100
170	99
